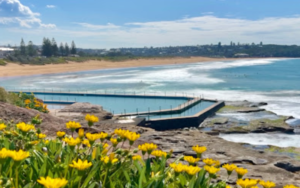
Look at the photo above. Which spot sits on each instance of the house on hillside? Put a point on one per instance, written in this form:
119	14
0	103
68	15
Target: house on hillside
5	51
241	55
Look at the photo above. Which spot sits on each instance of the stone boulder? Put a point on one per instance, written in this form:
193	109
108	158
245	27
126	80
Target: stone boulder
87	108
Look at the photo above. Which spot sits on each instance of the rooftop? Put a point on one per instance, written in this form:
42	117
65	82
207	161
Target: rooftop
6	49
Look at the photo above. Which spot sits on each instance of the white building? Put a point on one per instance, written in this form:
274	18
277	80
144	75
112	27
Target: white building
5	51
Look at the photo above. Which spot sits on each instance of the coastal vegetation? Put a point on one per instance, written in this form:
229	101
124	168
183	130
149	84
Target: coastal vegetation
23	100
59	60
51	52
11	98
30	102
49	48
29	159
218	50
2	62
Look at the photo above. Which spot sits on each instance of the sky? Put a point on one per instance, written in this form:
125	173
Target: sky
144	23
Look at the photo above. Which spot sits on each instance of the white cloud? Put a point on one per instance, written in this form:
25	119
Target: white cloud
186	31
98	27
14	12
50	6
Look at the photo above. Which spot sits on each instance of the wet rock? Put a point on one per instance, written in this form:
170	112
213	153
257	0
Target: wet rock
288	166
219	121
212	133
258	104
245	103
248	110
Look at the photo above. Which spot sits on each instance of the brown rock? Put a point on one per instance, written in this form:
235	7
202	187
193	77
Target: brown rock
50	124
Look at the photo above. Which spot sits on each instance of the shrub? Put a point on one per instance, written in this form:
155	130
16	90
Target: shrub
30	102
2	62
11	98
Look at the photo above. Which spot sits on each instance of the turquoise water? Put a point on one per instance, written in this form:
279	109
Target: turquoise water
275	81
119	105
189	112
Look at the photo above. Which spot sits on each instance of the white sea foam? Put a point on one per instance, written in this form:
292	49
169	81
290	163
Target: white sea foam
231	64
281	105
248	116
280	140
156	79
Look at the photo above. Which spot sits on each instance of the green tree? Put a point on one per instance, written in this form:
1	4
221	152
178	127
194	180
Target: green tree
67	49
73	48
62	49
22	47
54	47
46	48
30	49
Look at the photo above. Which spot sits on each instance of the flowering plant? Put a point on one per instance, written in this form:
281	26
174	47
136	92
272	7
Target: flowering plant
29	160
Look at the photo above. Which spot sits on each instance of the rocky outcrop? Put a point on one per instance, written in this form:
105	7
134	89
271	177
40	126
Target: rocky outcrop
250	109
245	103
49	125
87	108
262	165
254	120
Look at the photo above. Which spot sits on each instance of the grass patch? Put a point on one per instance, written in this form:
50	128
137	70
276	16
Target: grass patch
289	151
274	123
2	62
229	108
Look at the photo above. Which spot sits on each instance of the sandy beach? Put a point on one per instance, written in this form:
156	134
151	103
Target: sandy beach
13	69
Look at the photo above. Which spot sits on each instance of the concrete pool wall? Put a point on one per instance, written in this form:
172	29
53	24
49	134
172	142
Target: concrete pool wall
164	123
188	121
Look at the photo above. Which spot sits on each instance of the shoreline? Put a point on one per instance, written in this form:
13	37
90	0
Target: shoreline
16	70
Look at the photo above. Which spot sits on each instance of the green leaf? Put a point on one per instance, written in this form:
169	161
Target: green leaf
92	173
93	185
148	169
142	177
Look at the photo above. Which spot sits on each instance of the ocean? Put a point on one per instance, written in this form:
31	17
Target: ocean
275	81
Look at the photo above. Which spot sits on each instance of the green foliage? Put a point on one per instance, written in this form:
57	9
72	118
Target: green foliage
229	108
73	48
31	51
2	62
60	60
217	50
52	158
22	48
11	98
30	102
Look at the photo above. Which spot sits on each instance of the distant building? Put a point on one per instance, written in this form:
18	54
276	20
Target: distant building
5	51
74	55
241	55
